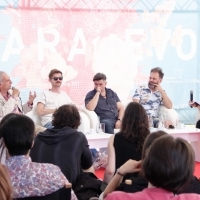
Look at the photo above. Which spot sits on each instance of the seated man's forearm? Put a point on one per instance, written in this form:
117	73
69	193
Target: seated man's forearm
44	111
93	102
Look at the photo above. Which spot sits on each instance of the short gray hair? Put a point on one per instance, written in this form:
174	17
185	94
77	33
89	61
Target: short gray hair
1	76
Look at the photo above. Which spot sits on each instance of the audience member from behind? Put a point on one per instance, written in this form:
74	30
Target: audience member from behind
5	186
105	103
168	166
136	183
63	145
128	143
27	178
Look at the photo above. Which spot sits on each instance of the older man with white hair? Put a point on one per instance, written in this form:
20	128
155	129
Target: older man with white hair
10	101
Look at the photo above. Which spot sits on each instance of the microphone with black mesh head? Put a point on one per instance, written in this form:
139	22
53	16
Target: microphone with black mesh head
191	96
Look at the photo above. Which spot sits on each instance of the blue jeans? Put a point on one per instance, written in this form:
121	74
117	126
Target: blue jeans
48	125
109	126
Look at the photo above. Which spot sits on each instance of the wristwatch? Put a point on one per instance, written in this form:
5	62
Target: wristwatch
119	119
118	172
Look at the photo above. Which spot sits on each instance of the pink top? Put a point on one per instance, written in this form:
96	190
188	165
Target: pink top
151	194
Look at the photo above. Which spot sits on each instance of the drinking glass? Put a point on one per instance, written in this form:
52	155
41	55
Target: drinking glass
102	128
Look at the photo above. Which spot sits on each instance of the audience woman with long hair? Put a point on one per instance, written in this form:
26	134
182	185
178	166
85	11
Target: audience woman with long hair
128	143
135	183
5	185
168	167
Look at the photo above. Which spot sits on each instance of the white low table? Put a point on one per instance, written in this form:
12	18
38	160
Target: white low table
98	140
192	135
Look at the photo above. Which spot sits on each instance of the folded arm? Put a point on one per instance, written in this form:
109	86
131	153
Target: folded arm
131	166
91	105
166	100
41	110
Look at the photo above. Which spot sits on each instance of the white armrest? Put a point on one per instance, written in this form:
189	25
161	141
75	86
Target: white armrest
84	127
126	102
34	116
168	114
93	118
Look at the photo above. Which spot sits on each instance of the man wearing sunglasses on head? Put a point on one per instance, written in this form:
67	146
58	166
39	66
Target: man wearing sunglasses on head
51	99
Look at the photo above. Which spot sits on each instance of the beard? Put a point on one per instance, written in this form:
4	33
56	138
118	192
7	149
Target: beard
151	85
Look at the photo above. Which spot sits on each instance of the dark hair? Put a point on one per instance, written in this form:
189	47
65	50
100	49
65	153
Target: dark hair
66	115
17	132
159	70
135	126
169	163
99	76
150	139
54	71
5	185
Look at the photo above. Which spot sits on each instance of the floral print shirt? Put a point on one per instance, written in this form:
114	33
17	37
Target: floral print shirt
34	179
149	100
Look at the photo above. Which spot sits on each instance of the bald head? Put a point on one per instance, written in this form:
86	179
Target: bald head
5	82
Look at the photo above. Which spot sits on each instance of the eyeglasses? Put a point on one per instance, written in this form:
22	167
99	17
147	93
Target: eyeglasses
56	78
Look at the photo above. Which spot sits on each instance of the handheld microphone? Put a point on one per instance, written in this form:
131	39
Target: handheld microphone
191	96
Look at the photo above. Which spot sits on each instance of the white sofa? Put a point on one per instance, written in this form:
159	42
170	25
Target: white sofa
168	114
84	126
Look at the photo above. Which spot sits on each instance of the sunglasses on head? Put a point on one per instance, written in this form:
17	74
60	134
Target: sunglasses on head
56	78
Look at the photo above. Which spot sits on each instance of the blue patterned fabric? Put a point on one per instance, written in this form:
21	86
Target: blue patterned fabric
149	100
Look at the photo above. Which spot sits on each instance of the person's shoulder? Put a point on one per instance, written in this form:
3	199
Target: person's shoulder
110	90
63	93
119	134
47	166
81	135
43	92
118	195
190	196
92	91
143	87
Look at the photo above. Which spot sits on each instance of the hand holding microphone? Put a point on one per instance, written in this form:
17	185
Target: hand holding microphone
15	92
191	95
191	102
191	98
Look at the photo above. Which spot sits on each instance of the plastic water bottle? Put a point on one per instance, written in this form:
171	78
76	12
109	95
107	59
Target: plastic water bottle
161	123
150	120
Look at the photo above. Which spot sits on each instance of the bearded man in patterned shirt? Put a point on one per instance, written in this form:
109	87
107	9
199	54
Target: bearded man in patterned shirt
152	96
